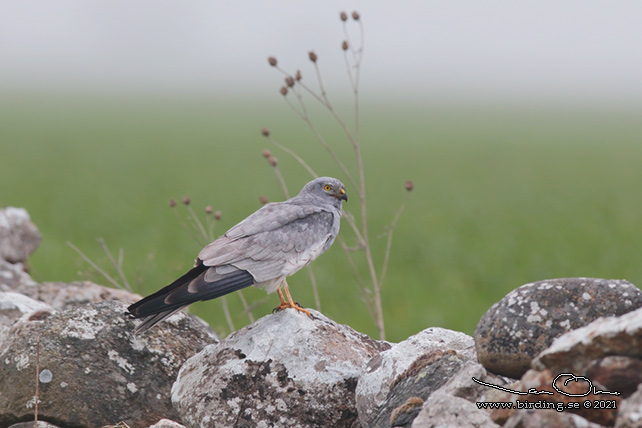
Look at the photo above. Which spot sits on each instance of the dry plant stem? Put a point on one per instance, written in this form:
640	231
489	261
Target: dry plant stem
324	143
35	422
246	307
118	265
95	266
390	231
315	290
187	229
295	156
226	311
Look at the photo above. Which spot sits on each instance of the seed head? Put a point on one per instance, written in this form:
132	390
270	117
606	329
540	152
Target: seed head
217	215
272	61
209	209
265	132
263	200
313	57
343	16
272	161
409	185
186	200
289	81
297	76
266	153
172	203
344	45
355	15
283	90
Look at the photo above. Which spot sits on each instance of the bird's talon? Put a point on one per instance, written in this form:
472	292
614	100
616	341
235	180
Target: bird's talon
296	306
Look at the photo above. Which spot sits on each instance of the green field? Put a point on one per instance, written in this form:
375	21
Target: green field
503	196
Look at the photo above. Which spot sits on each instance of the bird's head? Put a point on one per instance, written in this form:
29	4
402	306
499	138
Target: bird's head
327	187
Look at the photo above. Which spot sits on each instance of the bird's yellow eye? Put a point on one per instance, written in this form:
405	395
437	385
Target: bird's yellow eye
327	187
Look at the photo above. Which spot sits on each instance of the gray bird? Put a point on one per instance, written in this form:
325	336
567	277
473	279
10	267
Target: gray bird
262	250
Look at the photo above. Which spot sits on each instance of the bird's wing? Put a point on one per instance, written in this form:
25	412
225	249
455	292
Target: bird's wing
200	283
273	241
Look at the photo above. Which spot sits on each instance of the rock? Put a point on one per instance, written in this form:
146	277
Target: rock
577	350
284	370
445	411
15	307
14	278
616	373
454	404
537	418
61	295
166	423
571	398
427	374
41	424
529	318
630	414
19	237
93	370
384	369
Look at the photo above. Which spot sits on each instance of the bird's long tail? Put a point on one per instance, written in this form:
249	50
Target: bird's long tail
200	283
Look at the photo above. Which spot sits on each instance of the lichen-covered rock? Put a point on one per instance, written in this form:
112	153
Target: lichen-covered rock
384	369
93	370
19	237
455	403
529	318
425	375
578	349
61	295
15	307
285	370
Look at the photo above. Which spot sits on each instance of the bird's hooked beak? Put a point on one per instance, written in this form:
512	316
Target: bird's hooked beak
342	195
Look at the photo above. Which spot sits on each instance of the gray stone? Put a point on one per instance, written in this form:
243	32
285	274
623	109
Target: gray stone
19	237
30	424
577	349
14	278
529	318
630	414
538	418
426	375
100	373
15	307
384	369
285	370
166	423
444	411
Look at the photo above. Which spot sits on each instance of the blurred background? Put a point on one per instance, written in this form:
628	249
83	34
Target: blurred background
519	124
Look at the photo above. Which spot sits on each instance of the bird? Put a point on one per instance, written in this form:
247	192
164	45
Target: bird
263	250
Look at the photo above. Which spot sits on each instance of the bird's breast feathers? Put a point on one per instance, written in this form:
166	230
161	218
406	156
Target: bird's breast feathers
301	259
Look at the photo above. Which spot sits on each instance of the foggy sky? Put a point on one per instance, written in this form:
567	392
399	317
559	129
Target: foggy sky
581	50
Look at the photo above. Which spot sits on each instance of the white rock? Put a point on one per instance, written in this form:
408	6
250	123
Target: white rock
382	370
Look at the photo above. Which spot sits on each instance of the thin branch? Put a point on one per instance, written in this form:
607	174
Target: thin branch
118	265
390	231
246	307
94	265
226	311
35	422
295	156
315	290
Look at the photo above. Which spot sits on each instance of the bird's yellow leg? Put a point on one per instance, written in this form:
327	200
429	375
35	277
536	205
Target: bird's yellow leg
289	303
